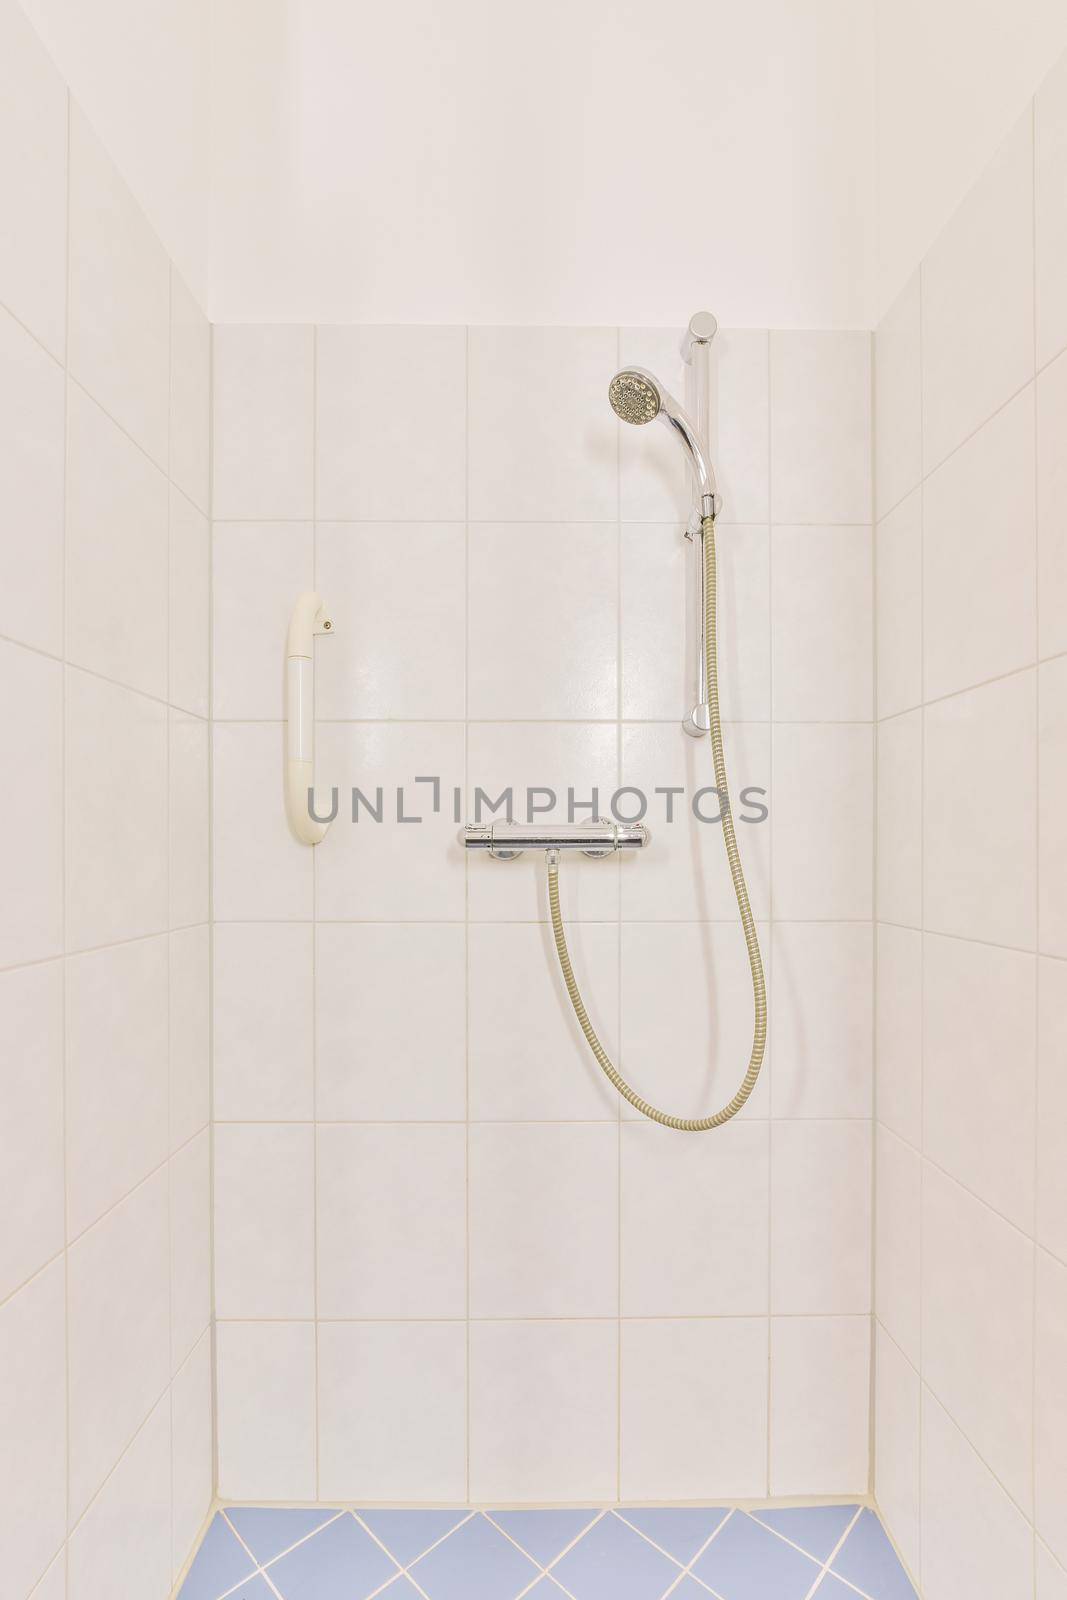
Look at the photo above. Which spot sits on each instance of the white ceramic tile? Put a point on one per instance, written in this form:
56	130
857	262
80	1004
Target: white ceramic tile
190	1247
397	595
510	766
1052	509
397	869
822	821
899	886
31	487
898	1031
1051	1577
190	1032
53	1586
189	820
117	1088
190	394
969	269
978	1342
190	606
259	571
898	400
31	1132
392	1411
543	1220
119	338
116	571
978	874
659	579
543	1411
119	1329
105	1563
821	427
654	482
822	667
368	412
261	869
685	874
897	1223
740	427
1052	808
1052	1107
264	1220
974	1540
979	1070
897	1446
391	1229
116	813
266	1451
264	1023
820	1400
543	443
713	1213
263	422
543	626
528	1058
192	1451
378	1055
684	1435
687	1016
1050	1405
820	1218
33	1415
898	607
33	182
1050	212
979	551
822	1019
31	808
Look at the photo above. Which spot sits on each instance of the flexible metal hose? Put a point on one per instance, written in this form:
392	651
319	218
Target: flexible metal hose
755	961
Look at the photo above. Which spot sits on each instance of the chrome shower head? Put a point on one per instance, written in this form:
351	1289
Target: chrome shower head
638	396
635	396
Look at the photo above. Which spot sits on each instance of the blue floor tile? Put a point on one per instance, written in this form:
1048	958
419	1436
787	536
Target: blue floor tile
690	1589
868	1560
680	1530
474	1563
815	1529
340	1563
543	1534
611	1559
220	1563
403	1589
268	1531
748	1562
256	1588
547	1590
832	1588
407	1535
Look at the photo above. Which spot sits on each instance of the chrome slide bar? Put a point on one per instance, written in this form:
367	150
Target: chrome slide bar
506	840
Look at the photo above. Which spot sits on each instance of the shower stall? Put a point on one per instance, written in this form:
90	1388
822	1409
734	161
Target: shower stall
435	795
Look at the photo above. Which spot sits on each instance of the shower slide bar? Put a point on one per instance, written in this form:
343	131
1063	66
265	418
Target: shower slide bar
506	840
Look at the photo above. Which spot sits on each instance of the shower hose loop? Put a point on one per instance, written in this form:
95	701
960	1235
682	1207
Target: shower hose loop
755	961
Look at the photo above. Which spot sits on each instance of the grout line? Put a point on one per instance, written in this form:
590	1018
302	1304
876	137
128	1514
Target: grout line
314	931
466	911
769	1066
1037	869
64	912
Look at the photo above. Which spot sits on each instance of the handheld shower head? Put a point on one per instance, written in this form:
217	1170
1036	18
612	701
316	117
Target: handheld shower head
638	397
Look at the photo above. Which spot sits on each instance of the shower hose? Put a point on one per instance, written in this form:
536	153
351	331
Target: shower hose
759	987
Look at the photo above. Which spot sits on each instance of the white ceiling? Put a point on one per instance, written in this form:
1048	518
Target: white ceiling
784	162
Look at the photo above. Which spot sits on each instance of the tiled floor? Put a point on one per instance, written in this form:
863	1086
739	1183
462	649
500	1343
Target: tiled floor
829	1552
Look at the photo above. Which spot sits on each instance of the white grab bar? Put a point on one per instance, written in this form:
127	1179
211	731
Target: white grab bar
309	618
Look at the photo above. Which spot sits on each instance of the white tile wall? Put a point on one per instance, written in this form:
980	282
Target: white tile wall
971	1021
104	1013
479	1198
